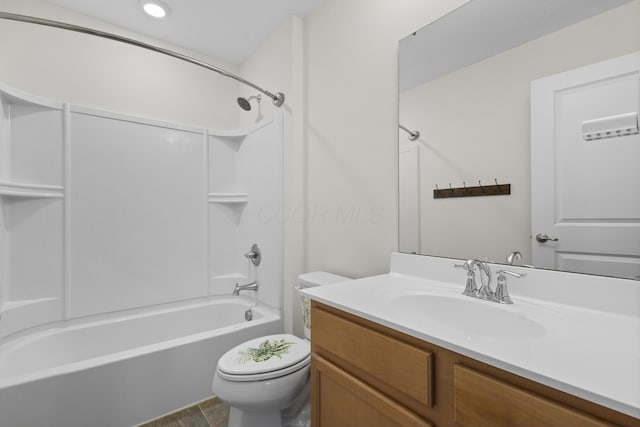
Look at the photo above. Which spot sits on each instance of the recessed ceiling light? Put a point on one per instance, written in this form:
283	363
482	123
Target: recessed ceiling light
155	8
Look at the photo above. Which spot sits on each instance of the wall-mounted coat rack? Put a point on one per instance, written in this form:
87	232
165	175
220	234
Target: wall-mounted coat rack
479	190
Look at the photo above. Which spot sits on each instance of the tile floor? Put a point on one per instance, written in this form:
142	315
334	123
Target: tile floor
215	413
208	413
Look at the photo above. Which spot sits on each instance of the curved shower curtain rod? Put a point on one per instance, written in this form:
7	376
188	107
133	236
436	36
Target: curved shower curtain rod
278	97
413	134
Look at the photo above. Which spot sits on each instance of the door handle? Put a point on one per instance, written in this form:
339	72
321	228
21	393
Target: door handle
543	238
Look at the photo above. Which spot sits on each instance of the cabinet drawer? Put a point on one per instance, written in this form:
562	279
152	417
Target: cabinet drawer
391	365
340	400
481	400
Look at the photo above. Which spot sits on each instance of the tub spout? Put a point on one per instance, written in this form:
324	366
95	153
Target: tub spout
253	286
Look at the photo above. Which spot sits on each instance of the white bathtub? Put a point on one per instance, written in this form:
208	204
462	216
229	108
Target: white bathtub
122	370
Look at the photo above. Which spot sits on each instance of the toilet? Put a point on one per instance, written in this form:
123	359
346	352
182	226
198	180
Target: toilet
266	376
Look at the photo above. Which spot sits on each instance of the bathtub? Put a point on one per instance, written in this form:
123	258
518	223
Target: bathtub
122	369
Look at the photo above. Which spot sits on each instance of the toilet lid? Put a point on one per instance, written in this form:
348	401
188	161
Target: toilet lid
265	354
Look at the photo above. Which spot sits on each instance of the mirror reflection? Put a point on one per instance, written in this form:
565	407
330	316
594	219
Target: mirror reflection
542	96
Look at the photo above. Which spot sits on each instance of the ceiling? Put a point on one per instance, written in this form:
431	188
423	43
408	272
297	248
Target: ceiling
229	30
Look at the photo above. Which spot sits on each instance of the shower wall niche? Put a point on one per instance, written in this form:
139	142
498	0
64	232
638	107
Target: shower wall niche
32	135
104	212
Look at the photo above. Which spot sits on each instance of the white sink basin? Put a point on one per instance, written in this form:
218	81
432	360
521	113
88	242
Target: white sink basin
473	317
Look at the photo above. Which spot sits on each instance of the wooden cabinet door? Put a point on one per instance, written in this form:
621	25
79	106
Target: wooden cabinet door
340	400
377	358
481	400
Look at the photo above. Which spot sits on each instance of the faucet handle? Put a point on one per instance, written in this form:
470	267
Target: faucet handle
254	255
470	289
510	273
501	293
468	265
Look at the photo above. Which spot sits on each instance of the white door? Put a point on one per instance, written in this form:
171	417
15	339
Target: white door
586	191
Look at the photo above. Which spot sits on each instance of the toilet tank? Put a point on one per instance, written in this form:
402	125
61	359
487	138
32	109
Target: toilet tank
310	280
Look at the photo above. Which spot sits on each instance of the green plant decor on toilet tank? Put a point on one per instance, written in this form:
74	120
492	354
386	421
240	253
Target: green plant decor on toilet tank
265	351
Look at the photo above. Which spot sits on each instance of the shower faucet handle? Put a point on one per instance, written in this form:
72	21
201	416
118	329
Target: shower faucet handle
254	255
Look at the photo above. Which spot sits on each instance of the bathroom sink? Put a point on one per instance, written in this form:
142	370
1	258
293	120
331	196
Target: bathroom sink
470	316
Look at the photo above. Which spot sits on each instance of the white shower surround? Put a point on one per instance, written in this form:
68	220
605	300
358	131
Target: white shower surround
122	238
123	369
105	212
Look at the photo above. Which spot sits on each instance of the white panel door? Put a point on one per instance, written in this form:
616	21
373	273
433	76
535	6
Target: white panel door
586	193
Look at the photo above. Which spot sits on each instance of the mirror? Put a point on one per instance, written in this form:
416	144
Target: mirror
466	114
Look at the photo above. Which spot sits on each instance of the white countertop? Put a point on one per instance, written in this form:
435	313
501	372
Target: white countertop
593	354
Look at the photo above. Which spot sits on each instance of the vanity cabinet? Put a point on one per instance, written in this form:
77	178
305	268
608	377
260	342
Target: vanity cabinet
364	374
344	400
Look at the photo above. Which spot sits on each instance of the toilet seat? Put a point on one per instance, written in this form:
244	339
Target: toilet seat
265	358
266	375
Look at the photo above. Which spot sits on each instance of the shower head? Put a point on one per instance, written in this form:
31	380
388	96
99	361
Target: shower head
245	104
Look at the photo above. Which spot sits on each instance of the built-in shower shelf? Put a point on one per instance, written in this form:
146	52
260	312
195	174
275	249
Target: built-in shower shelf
233	135
232	277
11	95
228	198
33	191
14	305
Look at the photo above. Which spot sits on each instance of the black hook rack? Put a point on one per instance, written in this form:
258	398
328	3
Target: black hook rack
479	190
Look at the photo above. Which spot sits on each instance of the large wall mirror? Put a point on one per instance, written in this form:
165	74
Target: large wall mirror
542	95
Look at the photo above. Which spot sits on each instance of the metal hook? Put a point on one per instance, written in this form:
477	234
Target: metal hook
481	187
497	185
450	188
464	184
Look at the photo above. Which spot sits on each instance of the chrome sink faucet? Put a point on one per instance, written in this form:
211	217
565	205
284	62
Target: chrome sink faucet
513	256
471	289
501	294
253	286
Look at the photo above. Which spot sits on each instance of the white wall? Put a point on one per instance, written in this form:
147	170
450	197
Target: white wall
352	107
90	71
277	66
474	125
135	217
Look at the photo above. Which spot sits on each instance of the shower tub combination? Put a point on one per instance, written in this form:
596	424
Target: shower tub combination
122	370
63	361
124	318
